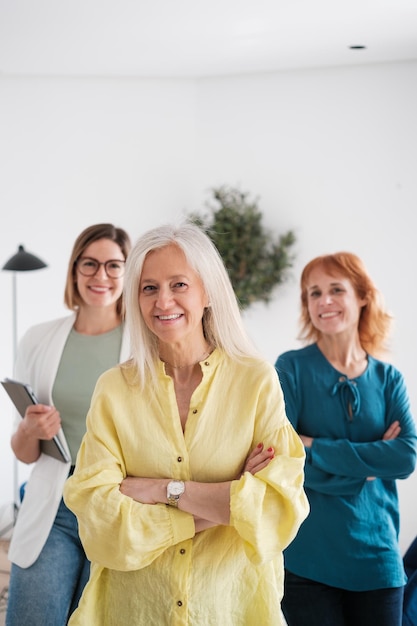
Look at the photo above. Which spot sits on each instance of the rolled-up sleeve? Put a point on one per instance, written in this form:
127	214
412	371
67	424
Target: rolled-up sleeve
267	509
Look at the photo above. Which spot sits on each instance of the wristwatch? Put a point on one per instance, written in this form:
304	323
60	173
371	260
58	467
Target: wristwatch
175	489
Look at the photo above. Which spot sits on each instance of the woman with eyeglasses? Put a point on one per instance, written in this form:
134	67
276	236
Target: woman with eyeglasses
62	360
352	412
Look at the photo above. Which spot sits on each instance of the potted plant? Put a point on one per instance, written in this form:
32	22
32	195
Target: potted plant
256	260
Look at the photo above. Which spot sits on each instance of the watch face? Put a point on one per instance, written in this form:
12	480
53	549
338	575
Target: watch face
176	488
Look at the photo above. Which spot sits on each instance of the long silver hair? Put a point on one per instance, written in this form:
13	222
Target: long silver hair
222	322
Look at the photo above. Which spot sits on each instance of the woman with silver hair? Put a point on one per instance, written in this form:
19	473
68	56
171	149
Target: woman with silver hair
189	481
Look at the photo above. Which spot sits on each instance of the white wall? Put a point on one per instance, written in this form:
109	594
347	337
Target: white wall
74	153
332	154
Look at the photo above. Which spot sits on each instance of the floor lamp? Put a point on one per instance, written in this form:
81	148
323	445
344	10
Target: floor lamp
22	261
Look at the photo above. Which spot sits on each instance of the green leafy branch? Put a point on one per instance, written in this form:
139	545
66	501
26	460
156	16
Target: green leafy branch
256	261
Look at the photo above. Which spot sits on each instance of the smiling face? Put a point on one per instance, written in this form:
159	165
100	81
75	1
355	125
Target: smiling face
100	290
333	305
172	297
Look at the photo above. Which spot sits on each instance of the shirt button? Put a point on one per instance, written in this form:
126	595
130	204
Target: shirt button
179	459
195	411
179	603
182	551
342	379
206	363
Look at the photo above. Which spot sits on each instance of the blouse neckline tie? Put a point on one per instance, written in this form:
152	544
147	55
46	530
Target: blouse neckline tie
350	396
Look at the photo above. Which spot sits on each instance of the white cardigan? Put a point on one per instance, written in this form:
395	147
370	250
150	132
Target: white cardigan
37	362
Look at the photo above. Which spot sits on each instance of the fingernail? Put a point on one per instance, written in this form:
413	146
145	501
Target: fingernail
269	449
259	445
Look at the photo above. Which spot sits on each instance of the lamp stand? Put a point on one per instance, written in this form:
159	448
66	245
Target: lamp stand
22	261
16	495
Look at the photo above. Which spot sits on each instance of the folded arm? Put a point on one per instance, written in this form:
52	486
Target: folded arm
209	503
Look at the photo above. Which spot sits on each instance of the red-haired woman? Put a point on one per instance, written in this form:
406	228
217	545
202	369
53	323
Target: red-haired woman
352	413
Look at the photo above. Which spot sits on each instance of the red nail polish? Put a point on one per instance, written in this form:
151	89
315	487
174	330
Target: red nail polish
259	445
269	449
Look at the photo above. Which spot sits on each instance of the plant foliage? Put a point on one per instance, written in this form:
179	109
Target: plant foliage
256	261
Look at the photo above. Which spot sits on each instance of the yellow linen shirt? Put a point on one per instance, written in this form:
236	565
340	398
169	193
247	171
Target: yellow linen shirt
148	565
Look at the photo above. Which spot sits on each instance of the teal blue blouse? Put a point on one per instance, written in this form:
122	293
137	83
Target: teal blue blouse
350	538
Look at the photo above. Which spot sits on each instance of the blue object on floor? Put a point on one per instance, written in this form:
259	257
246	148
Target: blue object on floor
410	589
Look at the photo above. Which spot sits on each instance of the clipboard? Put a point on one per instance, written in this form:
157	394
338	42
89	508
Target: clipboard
22	396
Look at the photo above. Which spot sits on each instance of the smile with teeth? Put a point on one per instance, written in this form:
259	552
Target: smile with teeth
174	316
330	314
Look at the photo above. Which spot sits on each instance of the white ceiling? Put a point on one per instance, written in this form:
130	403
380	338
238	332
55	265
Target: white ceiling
199	38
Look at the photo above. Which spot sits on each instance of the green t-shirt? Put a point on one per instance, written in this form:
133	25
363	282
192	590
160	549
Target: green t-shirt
84	359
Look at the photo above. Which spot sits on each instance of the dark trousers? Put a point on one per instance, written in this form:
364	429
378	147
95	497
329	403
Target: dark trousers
309	603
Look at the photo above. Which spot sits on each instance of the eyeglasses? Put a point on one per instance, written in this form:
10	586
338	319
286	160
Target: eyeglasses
87	266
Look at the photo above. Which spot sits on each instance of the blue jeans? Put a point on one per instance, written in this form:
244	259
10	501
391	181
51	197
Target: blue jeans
47	592
309	603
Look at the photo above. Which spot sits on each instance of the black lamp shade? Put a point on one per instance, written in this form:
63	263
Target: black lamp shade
23	261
